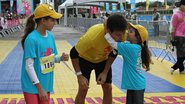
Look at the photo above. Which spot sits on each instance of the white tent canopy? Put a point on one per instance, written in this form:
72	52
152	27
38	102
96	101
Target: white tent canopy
90	1
64	6
69	3
66	3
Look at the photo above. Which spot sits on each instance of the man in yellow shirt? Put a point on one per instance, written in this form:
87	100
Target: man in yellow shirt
93	52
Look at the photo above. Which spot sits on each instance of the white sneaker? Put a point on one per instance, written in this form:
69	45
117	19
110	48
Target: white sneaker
182	72
171	70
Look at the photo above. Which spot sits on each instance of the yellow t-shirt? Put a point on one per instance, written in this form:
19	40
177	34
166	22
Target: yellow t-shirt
92	46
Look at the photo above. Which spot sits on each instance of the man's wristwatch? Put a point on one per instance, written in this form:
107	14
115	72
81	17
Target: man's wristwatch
78	73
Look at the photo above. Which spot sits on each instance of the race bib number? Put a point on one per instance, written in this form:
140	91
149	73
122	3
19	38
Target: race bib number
47	64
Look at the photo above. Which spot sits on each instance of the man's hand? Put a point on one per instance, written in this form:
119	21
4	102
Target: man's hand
102	78
83	82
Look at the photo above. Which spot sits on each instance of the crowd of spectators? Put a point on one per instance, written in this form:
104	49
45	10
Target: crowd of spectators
8	19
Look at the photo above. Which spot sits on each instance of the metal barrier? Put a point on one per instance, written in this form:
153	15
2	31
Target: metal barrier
159	32
10	27
82	23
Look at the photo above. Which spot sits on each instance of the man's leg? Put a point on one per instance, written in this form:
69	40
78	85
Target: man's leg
85	67
107	93
157	29
80	98
107	87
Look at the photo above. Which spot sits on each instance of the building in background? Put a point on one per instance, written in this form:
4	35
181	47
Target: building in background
18	6
25	6
7	5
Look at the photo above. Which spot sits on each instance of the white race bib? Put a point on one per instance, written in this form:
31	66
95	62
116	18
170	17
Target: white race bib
47	64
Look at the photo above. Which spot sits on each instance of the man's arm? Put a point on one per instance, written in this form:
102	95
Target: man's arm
82	81
103	76
75	59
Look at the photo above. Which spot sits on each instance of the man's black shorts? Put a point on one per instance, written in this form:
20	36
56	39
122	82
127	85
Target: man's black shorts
86	67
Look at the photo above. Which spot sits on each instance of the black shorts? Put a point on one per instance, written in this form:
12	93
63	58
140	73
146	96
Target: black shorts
86	67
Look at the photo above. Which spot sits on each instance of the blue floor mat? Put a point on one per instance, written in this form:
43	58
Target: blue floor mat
11	72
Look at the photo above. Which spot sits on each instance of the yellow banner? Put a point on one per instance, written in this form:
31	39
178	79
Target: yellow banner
147	4
166	5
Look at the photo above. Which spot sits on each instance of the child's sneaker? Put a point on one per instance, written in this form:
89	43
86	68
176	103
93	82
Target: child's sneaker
171	70
182	72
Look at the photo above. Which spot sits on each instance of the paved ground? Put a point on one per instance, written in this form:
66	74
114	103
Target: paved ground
60	32
66	33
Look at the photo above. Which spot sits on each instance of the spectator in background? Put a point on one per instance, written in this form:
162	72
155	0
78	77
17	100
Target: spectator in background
1	27
9	15
178	37
75	15
107	14
83	15
89	16
128	15
3	21
94	16
156	18
134	16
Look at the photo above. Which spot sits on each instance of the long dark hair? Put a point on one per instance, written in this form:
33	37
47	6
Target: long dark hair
30	26
146	56
145	52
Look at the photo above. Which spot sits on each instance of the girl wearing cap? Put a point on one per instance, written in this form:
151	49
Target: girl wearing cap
178	33
136	57
40	54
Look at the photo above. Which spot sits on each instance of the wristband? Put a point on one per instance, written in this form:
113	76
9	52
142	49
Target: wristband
78	73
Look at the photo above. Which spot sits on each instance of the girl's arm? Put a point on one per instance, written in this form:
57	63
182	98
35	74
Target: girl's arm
31	71
111	41
32	74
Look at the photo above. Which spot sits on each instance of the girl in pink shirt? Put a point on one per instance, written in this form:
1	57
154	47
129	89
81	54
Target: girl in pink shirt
178	34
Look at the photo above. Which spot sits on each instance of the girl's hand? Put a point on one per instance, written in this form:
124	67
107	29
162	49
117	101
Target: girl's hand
42	93
64	57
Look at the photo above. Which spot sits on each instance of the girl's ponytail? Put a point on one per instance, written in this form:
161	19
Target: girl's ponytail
145	56
30	26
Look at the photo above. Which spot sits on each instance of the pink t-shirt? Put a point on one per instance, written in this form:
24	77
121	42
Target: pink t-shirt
178	23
